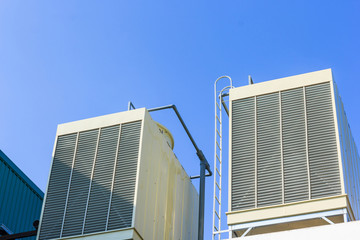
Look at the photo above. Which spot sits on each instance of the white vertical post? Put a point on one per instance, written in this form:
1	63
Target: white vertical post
345	215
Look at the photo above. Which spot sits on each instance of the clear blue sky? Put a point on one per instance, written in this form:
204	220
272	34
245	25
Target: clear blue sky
62	61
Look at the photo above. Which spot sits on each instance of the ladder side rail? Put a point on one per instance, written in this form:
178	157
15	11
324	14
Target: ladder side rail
216	229
217	149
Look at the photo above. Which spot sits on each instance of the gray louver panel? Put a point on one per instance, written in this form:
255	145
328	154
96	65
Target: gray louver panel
122	201
80	181
269	172
296	187
57	188
95	199
323	156
293	156
243	154
98	205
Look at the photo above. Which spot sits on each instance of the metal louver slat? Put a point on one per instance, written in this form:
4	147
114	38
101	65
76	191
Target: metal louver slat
80	181
96	215
323	156
57	188
122	201
296	187
243	154
269	176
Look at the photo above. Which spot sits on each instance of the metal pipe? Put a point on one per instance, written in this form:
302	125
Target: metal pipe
203	165
222	95
22	234
201	201
222	78
225	107
198	176
19	235
199	153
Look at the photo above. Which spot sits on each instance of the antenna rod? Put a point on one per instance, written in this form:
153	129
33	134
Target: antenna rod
130	105
250	80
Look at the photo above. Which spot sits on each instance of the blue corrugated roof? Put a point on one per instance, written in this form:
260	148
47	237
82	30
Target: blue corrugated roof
20	174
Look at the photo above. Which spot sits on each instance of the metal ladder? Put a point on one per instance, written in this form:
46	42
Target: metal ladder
216	230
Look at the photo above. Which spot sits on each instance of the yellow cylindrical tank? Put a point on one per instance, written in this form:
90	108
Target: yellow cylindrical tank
167	134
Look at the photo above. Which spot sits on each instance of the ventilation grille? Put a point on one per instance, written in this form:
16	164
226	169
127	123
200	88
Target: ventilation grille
323	156
80	183
101	167
269	173
283	148
296	177
58	185
243	154
123	197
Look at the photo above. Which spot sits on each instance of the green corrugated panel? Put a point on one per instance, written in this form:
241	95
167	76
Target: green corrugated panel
20	198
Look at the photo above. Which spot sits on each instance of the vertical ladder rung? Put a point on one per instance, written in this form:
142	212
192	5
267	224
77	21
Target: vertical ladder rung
218	158
218	133
217	170
217	214
218	145
217	199
219	107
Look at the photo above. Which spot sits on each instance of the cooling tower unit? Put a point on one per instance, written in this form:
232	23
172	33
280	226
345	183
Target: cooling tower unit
116	177
293	161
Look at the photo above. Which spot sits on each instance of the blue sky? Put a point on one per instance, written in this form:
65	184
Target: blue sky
62	61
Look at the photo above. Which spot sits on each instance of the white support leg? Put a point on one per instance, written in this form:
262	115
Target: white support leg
328	220
345	216
246	232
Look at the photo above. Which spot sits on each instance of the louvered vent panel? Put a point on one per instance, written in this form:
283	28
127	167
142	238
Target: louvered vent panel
296	187
97	211
269	172
243	154
122	201
323	156
80	181
57	188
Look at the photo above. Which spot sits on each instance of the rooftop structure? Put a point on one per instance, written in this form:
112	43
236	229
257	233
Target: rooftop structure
20	199
293	162
116	176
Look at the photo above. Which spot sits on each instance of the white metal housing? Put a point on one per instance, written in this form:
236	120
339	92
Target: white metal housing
116	177
291	150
